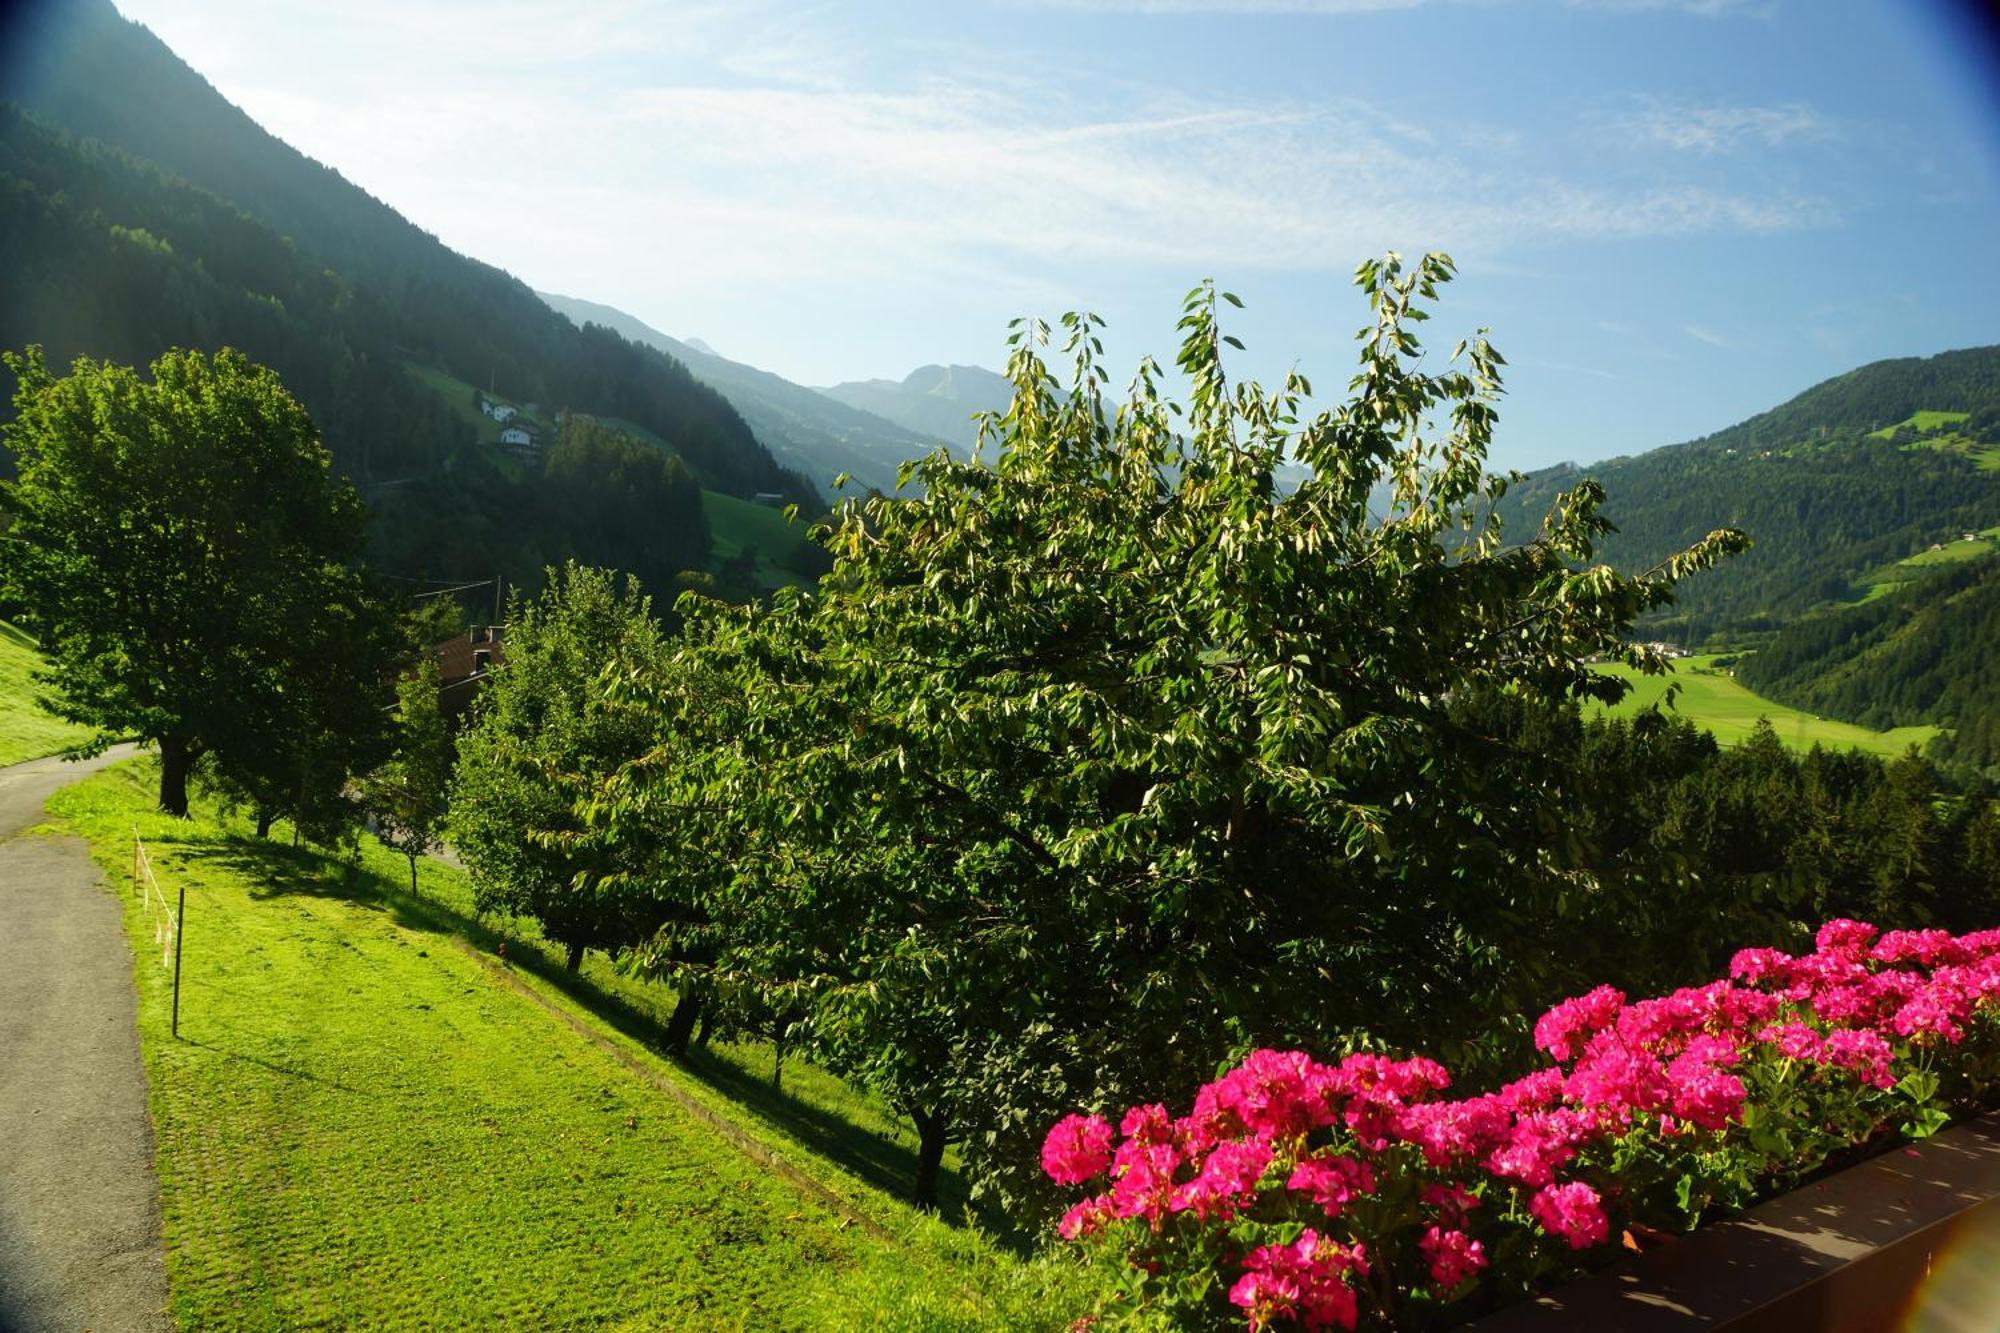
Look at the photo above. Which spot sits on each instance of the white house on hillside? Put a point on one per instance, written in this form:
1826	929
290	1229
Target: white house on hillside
520	441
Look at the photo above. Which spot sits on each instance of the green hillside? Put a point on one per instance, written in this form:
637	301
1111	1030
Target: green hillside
26	732
1900	574
737	527
1832	486
1927	654
1711	697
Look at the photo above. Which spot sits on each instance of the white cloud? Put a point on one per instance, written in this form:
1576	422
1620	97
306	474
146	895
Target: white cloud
1236	6
1709	336
1705	8
1715	128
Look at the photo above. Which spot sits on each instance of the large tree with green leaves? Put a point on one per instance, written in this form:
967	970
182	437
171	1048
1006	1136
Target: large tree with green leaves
189	561
1107	755
543	732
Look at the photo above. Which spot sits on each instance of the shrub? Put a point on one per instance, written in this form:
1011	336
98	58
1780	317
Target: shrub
1296	1193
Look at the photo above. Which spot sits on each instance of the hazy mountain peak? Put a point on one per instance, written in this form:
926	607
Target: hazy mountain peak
936	401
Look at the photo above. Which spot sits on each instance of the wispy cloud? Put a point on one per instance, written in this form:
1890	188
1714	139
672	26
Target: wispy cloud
1715	128
1709	336
1706	8
695	157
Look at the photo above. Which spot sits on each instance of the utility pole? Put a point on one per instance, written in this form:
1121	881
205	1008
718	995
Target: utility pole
499	585
180	929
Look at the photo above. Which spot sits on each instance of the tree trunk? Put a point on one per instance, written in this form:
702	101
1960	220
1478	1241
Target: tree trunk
264	820
930	1156
680	1025
176	758
575	950
413	889
701	1033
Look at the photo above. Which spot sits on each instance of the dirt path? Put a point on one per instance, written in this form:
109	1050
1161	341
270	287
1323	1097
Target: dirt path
79	1207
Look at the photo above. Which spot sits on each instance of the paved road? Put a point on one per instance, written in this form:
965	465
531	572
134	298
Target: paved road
79	1208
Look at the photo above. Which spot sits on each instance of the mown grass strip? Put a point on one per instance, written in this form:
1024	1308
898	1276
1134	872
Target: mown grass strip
729	1130
362	1129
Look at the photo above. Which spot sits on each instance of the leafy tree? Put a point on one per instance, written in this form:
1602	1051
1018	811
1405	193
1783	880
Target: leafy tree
188	559
1105	755
407	794
544	727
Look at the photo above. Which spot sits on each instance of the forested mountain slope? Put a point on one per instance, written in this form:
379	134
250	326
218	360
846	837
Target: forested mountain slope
1928	653
1823	485
803	428
84	68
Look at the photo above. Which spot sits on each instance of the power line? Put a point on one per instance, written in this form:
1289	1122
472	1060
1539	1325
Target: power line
441	592
405	578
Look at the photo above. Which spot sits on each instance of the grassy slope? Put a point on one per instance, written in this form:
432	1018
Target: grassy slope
362	1127
1893	576
26	732
1923	421
1716	703
1932	424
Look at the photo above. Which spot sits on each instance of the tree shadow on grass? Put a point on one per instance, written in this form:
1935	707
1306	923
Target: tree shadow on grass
288	1071
275	869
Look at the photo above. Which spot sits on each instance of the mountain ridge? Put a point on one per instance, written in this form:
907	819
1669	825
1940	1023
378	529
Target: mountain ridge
1823	493
934	400
805	430
95	75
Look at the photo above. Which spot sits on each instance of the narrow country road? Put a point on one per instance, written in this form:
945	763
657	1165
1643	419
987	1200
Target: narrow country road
79	1207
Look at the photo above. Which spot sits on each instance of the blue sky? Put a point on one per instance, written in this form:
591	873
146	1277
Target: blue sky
1671	213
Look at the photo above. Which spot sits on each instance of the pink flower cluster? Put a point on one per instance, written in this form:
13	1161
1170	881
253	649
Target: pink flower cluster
1333	1148
1304	1283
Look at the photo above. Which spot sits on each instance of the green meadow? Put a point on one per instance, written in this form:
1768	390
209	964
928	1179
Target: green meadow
26	732
1710	698
366	1123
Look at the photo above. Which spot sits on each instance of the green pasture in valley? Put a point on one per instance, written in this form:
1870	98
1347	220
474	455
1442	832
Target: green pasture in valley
1710	698
364	1124
26	732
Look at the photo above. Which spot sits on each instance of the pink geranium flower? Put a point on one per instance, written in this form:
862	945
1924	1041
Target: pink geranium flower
1452	1255
1077	1149
1332	1181
1572	1211
1563	1029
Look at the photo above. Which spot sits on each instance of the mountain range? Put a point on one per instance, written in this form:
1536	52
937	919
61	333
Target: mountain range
814	433
937	402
